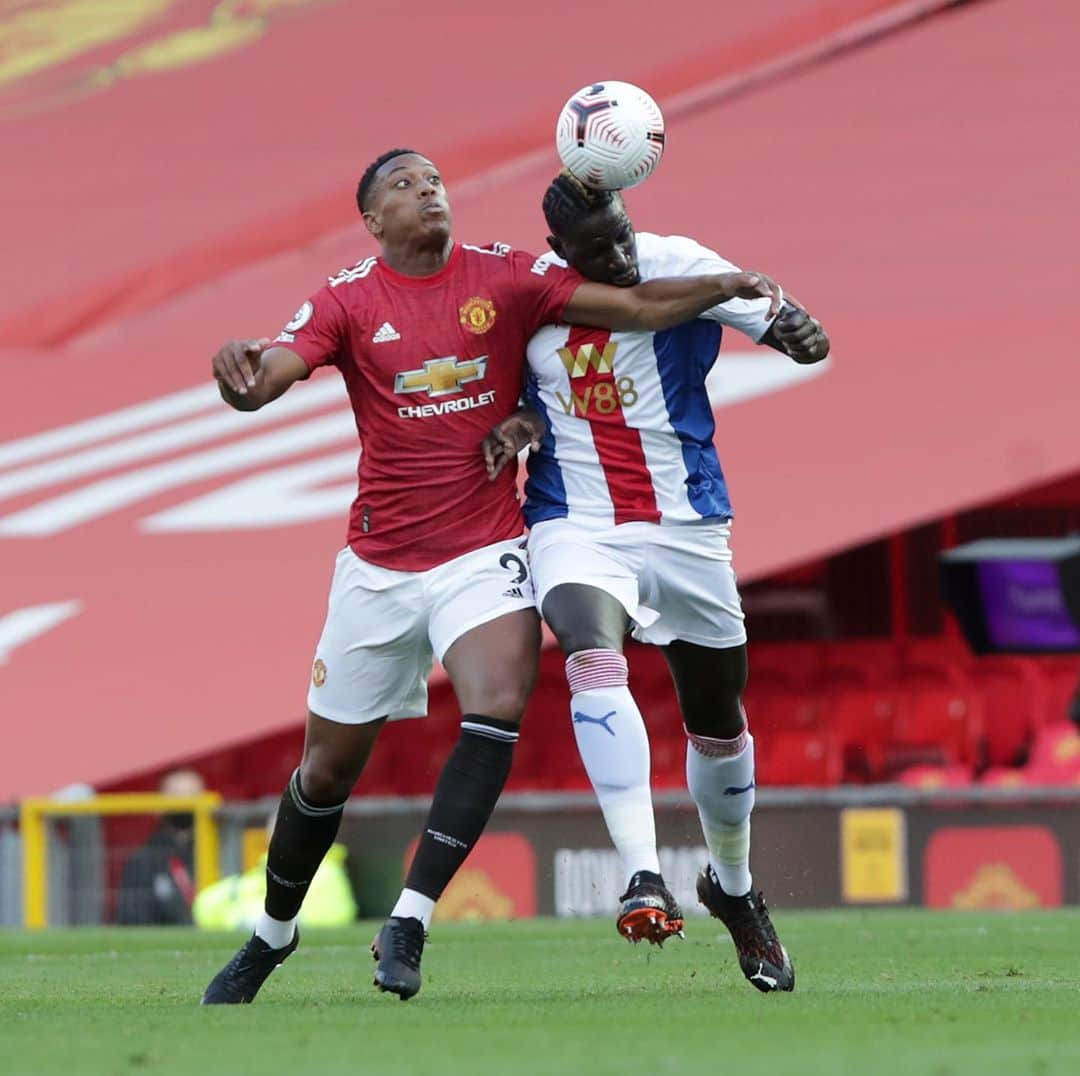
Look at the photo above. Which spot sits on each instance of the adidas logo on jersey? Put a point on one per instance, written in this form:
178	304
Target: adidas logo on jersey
385	333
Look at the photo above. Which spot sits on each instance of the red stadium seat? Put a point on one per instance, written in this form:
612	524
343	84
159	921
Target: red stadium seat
790	665
549	754
938	724
1061	679
859	720
668	749
801	757
1011	692
1055	754
390	770
541	761
930	672
667	738
1006	777
772	710
945	649
857	663
936	776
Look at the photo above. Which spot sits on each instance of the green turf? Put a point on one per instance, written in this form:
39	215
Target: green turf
879	993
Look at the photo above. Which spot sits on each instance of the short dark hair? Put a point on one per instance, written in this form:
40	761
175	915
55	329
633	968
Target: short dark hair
363	188
567	200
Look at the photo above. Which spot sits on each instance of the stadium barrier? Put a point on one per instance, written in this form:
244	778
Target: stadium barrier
548	853
34	816
857	846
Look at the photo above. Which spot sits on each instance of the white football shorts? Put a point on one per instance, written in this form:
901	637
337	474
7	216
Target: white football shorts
675	582
383	627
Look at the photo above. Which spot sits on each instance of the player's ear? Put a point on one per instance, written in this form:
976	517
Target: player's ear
556	246
373	225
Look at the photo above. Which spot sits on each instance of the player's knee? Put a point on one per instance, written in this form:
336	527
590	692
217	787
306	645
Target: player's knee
573	639
501	693
720	717
325	780
506	702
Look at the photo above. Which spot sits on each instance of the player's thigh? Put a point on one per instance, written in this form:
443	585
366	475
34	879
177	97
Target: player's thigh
485	629
690	581
586	582
373	657
585	617
493	666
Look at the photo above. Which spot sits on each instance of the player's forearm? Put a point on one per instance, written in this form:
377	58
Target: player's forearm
246	386
665	303
669	301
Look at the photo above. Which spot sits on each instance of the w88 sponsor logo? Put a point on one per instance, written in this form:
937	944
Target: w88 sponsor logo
601	398
593	384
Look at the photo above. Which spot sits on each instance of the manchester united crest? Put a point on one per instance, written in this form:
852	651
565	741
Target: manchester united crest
478	315
318	672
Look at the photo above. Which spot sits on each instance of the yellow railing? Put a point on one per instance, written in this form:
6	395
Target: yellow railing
34	812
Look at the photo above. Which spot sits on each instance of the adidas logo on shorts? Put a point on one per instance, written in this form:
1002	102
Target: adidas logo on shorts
513	592
385	333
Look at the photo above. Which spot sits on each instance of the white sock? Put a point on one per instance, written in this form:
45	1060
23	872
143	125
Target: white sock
277	933
614	749
720	777
413	905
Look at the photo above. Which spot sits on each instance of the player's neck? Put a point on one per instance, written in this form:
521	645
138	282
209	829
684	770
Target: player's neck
423	259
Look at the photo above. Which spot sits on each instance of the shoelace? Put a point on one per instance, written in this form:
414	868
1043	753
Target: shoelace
406	945
246	959
754	932
642	887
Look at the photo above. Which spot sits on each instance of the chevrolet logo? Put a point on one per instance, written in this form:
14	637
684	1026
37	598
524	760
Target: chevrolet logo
577	363
440	377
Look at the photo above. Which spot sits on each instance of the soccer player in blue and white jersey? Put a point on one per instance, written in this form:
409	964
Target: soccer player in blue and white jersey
630	520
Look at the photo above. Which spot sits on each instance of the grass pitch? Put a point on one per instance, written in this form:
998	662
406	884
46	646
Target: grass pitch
878	992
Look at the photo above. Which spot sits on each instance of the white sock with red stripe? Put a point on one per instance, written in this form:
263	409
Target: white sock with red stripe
614	748
720	777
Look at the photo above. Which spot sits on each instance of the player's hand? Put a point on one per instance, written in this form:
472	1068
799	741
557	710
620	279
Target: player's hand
800	335
236	364
754	285
509	437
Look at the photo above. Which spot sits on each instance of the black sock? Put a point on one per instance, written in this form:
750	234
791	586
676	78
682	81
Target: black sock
303	833
468	789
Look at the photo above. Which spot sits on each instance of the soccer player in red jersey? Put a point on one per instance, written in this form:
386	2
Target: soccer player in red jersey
430	338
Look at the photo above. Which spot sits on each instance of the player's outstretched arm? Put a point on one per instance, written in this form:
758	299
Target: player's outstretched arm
667	302
797	334
251	373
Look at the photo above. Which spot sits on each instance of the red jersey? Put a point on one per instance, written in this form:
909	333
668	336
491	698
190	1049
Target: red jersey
431	365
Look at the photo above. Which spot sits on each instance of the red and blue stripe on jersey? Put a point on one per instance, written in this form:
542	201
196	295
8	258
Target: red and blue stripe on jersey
682	358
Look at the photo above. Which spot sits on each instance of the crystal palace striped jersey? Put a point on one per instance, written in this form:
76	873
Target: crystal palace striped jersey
630	427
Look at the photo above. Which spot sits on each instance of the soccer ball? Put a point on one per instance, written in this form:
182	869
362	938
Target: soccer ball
610	135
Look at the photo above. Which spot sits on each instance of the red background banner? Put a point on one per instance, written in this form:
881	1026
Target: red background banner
164	570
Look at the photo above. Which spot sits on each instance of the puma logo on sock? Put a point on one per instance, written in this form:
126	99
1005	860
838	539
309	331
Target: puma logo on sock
585	719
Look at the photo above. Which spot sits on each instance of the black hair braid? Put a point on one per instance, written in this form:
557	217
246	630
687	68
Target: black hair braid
567	200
